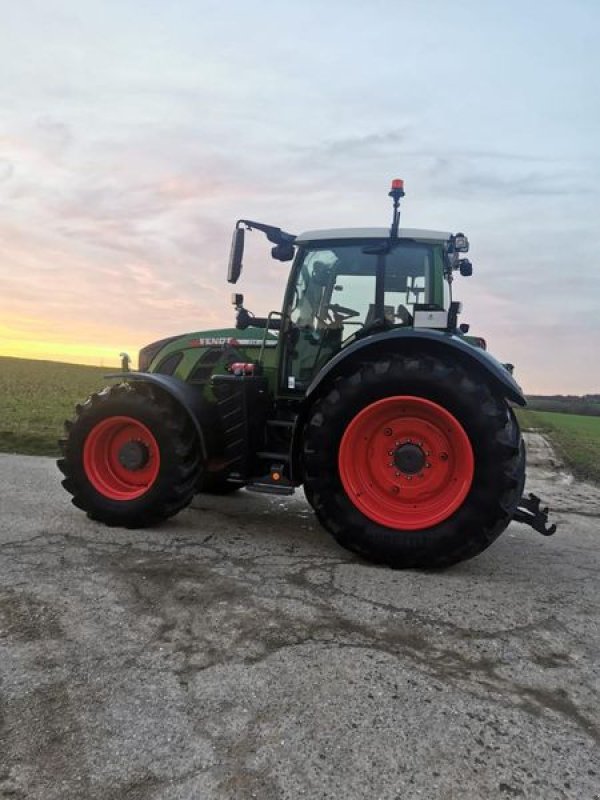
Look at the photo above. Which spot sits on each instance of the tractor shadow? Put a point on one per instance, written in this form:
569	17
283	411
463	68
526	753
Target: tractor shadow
275	524
278	525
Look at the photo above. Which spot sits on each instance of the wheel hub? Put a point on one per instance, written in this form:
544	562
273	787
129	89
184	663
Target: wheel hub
134	455
409	458
406	462
121	458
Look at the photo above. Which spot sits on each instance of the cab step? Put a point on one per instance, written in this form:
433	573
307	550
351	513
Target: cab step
281	423
274	482
270	488
267	455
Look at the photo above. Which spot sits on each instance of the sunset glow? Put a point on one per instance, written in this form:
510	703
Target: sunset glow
14	343
130	143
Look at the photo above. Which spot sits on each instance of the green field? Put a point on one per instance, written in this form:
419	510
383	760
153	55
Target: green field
37	396
35	399
576	438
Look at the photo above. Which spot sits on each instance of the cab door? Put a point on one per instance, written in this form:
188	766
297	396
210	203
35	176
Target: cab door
328	303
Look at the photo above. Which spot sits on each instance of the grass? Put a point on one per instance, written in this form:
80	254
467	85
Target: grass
37	396
35	399
576	438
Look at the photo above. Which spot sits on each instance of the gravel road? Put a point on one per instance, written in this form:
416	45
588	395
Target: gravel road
238	652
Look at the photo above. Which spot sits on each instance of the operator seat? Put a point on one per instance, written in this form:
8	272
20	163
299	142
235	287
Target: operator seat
404	315
388	313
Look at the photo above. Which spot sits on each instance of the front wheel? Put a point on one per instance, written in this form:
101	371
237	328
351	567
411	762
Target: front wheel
413	461
130	457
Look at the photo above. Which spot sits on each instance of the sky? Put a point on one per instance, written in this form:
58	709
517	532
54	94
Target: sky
134	134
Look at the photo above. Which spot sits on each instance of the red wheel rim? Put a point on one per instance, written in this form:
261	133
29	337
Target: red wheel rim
406	463
121	458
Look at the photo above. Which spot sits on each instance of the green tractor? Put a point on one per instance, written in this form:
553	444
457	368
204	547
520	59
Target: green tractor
364	389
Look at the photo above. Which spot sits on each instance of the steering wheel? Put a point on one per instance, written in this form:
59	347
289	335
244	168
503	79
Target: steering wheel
336	314
342	312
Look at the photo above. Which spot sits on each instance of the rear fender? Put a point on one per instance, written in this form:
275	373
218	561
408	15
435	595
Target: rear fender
405	341
187	397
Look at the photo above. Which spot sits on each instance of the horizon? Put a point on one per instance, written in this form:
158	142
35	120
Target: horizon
117	366
131	143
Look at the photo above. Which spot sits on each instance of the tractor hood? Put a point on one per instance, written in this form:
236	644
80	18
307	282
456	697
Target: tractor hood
251	337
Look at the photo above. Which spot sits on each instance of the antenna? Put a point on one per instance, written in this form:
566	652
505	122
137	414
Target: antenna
396	192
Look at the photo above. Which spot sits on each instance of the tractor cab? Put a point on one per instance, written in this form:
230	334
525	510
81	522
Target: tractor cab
349	283
333	296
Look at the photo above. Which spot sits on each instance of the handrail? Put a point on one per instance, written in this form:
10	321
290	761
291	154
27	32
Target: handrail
264	341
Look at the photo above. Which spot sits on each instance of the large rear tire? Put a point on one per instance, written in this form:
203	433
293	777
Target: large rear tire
413	461
130	457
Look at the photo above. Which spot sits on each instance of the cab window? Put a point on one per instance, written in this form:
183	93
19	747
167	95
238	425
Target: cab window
333	298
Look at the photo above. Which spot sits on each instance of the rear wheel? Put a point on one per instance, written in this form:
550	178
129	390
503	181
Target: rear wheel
413	461
130	457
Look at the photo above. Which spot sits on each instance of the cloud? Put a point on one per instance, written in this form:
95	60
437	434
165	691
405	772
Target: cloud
528	183
353	146
132	143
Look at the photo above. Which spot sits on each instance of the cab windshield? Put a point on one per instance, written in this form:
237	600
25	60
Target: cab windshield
333	298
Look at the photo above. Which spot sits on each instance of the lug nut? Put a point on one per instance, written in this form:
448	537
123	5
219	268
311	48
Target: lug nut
444	456
395	489
428	465
387	431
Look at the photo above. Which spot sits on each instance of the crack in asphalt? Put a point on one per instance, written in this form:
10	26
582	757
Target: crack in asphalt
162	619
441	663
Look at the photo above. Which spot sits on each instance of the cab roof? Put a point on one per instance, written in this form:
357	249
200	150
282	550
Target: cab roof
417	234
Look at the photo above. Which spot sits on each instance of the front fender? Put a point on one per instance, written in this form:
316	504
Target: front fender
186	396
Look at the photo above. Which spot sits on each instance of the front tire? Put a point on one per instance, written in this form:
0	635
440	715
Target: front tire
130	457
413	461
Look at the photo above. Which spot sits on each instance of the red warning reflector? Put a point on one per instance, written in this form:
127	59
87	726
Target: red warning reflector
240	368
397	183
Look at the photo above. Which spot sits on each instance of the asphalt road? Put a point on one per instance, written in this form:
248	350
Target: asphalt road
238	652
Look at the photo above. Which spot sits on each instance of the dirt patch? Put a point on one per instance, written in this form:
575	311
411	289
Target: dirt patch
26	618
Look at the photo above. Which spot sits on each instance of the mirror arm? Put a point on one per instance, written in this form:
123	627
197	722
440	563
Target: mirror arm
273	234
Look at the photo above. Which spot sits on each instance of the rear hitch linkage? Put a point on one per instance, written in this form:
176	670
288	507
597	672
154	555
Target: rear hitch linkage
529	513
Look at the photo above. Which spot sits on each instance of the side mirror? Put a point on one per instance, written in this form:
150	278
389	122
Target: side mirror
235	257
465	267
283	251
